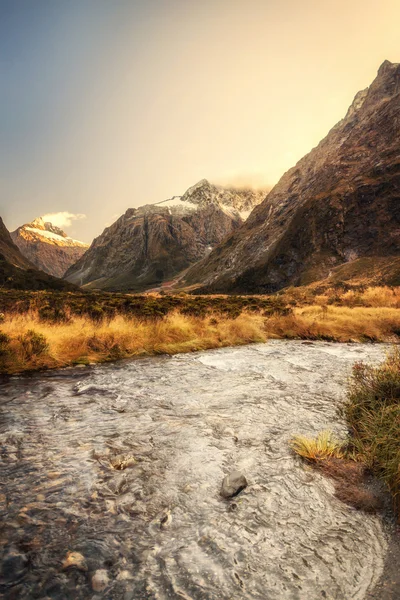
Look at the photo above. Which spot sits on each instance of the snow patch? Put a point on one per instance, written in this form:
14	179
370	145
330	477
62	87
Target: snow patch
54	237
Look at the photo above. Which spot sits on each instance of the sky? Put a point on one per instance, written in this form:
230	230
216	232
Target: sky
112	104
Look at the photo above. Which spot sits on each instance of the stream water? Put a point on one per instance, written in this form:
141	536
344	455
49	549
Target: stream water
123	463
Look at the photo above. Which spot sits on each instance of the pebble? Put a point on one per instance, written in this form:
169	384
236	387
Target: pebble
13	565
100	580
75	559
232	484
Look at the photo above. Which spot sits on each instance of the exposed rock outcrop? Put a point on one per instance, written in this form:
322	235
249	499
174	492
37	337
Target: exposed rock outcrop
338	207
48	247
150	245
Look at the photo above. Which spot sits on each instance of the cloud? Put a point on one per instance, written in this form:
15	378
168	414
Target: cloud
255	180
62	219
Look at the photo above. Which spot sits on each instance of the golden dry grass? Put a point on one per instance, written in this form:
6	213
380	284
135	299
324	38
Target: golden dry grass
369	297
322	447
338	323
82	340
331	458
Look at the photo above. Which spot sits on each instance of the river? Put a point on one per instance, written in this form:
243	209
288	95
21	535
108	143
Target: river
123	463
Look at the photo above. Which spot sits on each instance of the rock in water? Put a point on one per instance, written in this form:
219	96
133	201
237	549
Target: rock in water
232	484
75	559
100	580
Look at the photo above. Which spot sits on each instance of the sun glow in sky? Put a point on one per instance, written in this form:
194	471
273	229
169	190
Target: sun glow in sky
110	105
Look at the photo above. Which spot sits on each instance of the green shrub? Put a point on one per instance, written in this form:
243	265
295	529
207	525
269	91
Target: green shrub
373	414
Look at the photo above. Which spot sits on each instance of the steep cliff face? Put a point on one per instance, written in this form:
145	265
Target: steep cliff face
340	205
17	272
150	245
48	247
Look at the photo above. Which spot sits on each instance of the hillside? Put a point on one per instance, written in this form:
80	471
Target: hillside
338	208
150	245
16	272
48	247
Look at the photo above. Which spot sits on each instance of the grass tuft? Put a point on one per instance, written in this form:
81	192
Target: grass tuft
322	447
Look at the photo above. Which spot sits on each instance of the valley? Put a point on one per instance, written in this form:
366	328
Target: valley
203	402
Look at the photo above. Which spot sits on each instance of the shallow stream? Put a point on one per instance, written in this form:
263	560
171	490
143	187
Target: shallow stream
123	464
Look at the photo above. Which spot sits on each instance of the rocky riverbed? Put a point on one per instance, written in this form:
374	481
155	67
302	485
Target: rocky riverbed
111	479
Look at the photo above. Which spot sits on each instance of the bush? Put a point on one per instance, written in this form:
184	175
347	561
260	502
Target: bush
4	343
5	352
373	414
52	314
33	344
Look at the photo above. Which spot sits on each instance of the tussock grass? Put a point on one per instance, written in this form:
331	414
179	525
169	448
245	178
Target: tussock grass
337	323
32	340
80	340
372	412
342	295
334	459
322	447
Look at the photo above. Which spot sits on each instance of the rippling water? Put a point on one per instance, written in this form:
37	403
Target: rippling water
123	464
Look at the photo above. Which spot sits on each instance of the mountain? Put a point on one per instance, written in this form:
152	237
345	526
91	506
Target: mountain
150	245
16	272
335	214
48	247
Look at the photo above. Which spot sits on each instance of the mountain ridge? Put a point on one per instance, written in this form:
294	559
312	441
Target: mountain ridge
17	272
149	245
47	246
336	205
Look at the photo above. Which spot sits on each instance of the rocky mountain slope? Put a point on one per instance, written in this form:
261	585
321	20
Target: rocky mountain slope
16	271
148	246
338	209
48	247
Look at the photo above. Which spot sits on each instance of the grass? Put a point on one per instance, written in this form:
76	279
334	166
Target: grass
337	323
50	330
335	460
26	343
372	412
323	447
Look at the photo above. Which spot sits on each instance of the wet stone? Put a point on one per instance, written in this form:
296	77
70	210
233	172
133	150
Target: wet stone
100	580
233	484
75	559
13	566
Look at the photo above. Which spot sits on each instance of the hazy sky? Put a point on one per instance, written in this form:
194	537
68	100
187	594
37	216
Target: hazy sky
110	104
